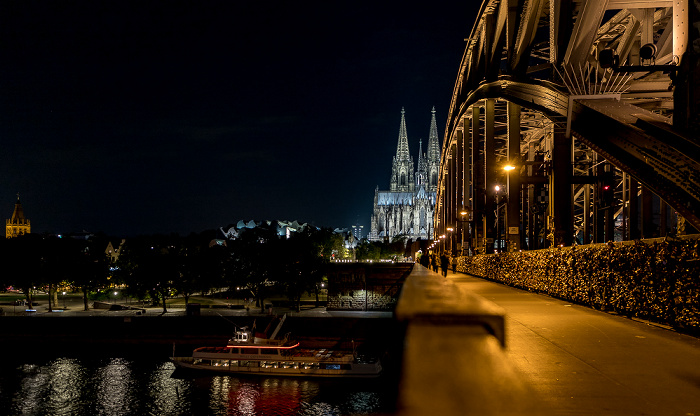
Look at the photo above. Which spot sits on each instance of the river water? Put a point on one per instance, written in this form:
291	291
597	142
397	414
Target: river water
135	384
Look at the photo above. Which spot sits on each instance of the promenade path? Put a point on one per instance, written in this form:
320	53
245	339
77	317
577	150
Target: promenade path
580	361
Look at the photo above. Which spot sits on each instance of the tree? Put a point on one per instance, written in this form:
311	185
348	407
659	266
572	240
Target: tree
203	267
87	266
256	260
303	257
150	266
22	263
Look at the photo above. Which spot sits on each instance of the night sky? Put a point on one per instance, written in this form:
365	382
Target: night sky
164	116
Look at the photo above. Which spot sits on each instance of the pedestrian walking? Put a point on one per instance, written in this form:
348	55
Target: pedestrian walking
444	263
425	261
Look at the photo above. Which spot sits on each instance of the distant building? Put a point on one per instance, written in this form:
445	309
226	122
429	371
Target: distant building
17	225
408	206
357	231
284	228
113	252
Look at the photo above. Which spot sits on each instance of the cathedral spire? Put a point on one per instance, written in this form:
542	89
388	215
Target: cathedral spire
422	173
402	147
402	173
433	158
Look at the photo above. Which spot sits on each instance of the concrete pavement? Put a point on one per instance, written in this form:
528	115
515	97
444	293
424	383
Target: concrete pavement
581	361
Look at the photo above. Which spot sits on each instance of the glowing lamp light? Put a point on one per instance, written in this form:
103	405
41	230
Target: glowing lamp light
497	188
450	229
508	168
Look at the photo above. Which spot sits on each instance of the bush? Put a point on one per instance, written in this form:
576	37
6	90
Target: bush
658	281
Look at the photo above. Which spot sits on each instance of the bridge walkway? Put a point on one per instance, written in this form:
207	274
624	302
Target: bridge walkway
580	361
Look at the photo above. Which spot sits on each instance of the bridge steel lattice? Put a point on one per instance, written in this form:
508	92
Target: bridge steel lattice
592	105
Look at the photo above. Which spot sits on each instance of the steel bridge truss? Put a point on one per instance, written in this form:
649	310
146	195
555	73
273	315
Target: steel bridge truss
589	104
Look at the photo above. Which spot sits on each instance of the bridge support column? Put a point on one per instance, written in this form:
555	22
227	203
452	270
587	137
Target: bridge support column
457	239
560	203
451	212
478	190
467	189
648	227
489	173
624	202
633	223
586	214
532	229
513	176
663	218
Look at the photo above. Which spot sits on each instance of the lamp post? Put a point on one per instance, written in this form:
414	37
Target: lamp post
462	219
64	300
450	246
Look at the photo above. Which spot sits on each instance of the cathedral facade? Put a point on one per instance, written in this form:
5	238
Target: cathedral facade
407	208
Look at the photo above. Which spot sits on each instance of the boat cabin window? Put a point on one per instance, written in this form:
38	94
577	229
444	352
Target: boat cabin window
241	337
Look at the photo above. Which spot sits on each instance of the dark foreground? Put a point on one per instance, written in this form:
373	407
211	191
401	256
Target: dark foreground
62	335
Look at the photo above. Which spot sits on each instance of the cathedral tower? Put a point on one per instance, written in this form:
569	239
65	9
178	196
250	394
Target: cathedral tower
407	208
402	165
17	225
433	159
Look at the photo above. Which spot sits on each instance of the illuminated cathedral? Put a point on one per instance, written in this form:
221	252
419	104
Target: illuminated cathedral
407	208
17	225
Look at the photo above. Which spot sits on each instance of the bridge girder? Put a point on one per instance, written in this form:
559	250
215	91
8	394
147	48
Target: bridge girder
548	56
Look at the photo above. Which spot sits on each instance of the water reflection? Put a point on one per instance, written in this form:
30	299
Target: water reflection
113	384
164	391
57	385
120	386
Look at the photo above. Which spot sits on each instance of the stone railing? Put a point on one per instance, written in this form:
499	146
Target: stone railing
454	361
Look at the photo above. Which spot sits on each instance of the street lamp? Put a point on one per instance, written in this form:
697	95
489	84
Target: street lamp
449	245
463	218
64	299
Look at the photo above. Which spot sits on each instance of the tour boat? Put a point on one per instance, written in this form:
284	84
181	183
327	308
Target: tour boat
249	354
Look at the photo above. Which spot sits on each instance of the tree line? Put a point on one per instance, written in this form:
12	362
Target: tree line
158	267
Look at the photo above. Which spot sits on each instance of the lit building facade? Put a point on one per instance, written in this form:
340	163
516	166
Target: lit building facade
407	208
18	224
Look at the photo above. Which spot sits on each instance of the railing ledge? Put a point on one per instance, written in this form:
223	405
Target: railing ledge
454	360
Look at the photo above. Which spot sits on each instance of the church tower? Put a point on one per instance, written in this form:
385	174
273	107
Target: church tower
433	159
17	225
422	172
402	174
407	208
